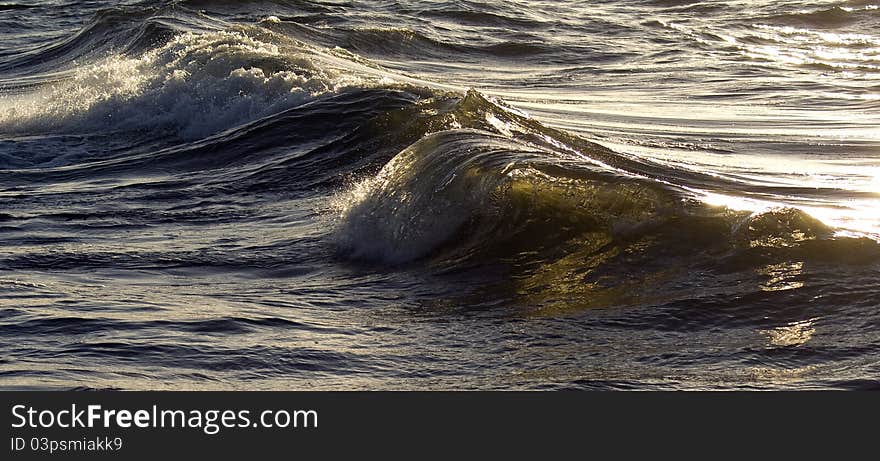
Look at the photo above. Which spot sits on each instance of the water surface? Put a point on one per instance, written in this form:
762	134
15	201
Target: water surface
287	194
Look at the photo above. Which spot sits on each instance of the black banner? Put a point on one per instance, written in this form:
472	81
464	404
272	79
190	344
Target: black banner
319	425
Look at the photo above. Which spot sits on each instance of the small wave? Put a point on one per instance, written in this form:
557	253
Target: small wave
85	326
482	18
833	17
387	42
15	6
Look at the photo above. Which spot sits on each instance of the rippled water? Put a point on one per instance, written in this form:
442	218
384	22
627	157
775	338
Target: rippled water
439	194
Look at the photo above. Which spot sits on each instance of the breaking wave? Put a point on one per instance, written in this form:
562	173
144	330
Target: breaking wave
193	86
490	185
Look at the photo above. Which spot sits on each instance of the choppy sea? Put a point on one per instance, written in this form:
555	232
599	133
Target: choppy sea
287	194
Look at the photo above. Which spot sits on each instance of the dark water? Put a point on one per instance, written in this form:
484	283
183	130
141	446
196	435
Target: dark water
651	194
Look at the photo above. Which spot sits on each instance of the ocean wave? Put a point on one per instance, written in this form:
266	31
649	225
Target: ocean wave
496	186
194	85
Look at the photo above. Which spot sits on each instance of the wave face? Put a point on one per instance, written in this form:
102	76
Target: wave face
658	194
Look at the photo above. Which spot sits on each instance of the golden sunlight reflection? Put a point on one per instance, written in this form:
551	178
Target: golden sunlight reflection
791	45
784	375
735	203
856	219
782	276
852	218
792	334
